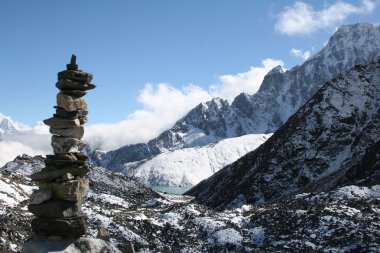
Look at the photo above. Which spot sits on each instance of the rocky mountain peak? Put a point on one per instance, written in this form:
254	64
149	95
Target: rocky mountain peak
281	94
7	125
328	143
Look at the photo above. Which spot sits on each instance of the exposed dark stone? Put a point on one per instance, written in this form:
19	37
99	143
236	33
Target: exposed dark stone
74	93
57	122
103	234
73	63
62	113
50	173
67	228
75	75
55	209
74	85
68	157
59	164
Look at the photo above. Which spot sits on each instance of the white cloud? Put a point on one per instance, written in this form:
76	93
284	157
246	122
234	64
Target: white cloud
301	18
300	54
31	141
164	104
230	86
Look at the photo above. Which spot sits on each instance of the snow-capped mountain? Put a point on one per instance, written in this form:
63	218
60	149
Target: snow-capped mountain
281	94
331	141
8	126
189	166
344	220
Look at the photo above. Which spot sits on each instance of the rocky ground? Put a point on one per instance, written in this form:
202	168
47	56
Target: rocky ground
344	220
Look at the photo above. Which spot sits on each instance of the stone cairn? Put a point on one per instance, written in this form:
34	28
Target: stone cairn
62	186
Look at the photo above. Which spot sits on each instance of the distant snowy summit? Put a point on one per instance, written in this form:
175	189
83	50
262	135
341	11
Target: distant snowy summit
281	94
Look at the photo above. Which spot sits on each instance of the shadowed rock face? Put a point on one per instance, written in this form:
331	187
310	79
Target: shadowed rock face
331	141
280	95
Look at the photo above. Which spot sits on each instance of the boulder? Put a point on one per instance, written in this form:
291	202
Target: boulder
74	75
103	234
74	190
74	132
81	245
69	103
67	228
56	122
65	145
40	196
56	209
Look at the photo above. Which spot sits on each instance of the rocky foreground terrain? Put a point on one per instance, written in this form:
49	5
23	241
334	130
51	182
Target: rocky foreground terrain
344	220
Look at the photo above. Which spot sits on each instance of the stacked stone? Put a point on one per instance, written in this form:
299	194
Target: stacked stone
62	186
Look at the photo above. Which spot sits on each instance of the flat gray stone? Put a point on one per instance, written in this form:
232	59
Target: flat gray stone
74	190
40	196
61	164
56	122
66	145
74	132
81	245
55	209
70	103
65	227
49	174
62	113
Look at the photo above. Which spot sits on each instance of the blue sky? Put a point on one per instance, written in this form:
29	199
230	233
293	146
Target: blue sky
150	56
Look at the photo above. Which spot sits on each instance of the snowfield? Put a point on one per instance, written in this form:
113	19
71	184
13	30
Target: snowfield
189	166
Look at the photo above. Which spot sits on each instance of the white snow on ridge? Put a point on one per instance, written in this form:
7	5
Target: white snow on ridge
187	167
11	194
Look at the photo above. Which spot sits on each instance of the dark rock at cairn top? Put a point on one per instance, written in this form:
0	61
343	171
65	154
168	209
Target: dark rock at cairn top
55	209
72	227
62	113
74	85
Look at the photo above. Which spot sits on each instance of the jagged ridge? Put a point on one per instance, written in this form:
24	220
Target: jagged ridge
332	140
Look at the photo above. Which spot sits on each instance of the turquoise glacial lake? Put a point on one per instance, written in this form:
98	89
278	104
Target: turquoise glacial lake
170	189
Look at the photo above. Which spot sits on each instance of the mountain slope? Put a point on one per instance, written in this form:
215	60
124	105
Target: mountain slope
345	220
189	166
332	140
280	95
